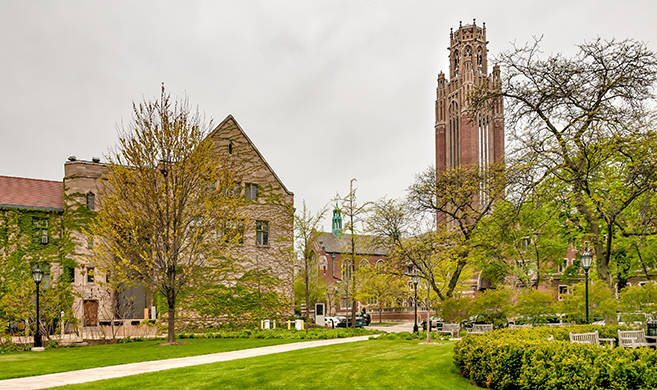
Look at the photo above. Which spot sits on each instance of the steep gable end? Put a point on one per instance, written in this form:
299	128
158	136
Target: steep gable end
232	140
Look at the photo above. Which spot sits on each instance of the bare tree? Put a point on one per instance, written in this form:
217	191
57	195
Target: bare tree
586	121
305	227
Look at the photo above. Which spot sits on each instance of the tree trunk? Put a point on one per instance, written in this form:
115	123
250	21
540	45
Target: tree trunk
171	320
380	314
307	289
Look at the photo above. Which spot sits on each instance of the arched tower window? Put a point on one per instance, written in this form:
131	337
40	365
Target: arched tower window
347	269
456	61
453	140
480	60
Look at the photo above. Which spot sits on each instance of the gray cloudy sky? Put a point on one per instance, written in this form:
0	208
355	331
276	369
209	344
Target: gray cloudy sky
327	90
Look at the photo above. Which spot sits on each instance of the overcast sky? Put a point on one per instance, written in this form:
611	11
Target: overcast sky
327	90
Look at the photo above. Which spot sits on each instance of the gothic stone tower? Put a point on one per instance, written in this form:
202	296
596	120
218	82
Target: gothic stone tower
462	139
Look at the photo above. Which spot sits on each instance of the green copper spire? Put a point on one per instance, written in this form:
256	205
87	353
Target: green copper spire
337	222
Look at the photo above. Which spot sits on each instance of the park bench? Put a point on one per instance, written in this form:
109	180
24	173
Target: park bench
633	339
514	326
452	329
481	328
589	338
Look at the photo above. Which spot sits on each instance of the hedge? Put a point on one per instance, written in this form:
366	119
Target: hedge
526	359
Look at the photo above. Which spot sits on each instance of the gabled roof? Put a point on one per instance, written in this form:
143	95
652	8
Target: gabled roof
230	118
364	244
24	193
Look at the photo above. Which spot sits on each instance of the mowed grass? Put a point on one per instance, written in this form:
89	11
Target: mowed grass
373	364
21	364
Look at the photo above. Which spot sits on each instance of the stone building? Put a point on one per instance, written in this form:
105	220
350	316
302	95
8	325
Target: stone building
265	243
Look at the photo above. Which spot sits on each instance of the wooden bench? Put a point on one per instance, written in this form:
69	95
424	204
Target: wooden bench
481	328
452	329
633	339
514	326
589	338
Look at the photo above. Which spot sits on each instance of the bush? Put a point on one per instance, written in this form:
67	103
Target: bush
526	359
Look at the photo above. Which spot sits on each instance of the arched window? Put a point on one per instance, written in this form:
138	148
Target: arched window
456	61
480	59
363	263
347	269
323	263
468	51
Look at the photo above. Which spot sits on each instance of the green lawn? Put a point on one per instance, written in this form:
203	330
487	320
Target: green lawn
384	323
20	364
383	364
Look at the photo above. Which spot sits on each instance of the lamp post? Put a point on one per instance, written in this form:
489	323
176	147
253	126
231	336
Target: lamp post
415	281
37	276
586	258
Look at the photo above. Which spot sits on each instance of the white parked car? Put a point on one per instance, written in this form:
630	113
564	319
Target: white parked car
332	322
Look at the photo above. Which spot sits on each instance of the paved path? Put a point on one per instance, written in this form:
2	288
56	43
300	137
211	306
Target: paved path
403	327
95	374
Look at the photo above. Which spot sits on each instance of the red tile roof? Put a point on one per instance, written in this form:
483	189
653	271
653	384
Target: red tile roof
31	193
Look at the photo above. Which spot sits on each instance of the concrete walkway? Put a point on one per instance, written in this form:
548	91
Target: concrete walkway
402	327
95	374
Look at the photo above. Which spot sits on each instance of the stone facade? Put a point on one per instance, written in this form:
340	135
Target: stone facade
267	239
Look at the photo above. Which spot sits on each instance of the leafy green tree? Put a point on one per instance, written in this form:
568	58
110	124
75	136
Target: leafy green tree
169	211
602	303
379	288
534	306
493	306
455	309
586	123
640	299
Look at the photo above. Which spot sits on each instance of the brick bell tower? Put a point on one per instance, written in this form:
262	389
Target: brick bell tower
460	138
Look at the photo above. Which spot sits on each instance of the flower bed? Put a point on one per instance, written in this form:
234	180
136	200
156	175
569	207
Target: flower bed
526	359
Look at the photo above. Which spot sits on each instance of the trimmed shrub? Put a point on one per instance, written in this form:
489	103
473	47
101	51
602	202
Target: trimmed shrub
526	359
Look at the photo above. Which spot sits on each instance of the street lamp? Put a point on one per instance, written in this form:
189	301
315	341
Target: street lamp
586	258
415	281
37	276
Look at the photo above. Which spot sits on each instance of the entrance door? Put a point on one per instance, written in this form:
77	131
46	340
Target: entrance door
90	313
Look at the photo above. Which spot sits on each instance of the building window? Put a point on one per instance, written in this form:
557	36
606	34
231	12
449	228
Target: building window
262	233
345	303
69	274
347	270
90	274
563	290
91	201
251	191
561	267
232	232
230	147
372	301
40	230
